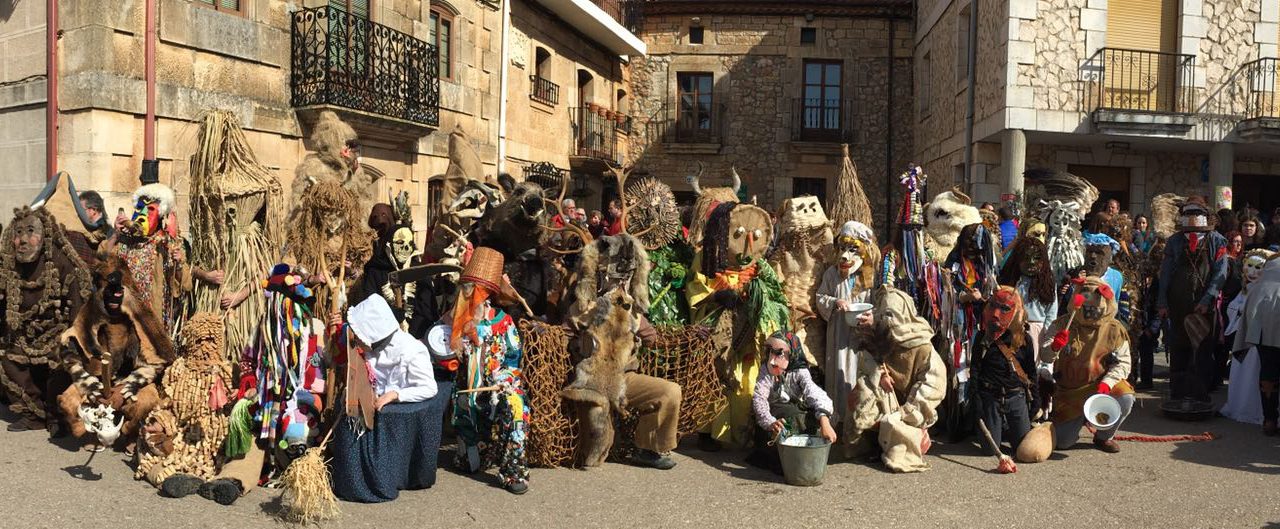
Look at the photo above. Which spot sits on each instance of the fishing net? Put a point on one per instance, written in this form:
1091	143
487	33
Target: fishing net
553	428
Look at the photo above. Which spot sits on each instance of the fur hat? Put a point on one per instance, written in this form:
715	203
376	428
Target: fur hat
162	194
484	269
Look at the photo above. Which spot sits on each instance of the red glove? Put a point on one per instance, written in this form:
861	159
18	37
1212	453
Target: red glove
1077	301
1104	388
1060	340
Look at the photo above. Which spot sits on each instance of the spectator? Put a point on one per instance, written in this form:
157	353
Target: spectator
615	218
1273	234
988	206
595	223
1143	235
1008	226
1113	207
565	215
1253	233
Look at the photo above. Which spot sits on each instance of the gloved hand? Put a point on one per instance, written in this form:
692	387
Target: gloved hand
1060	340
727	298
1104	388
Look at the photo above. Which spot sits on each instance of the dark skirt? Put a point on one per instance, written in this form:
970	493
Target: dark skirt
399	453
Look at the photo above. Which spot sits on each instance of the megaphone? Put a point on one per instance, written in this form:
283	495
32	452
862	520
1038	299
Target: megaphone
1102	411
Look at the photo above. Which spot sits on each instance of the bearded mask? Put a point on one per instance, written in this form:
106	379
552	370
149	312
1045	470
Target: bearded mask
28	239
750	231
402	245
1003	312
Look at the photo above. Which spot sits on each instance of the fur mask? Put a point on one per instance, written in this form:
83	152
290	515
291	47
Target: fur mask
27	234
611	261
514	226
945	216
708	199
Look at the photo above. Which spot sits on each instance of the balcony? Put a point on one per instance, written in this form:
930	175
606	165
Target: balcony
544	91
372	74
690	132
1139	92
595	139
626	12
822	120
1261	119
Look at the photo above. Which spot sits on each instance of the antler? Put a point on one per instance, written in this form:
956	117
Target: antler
564	188
693	180
576	230
621	175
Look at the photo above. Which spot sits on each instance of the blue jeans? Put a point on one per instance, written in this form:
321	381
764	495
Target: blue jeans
1066	433
1004	413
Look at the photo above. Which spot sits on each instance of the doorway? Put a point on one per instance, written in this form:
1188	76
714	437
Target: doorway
1112	182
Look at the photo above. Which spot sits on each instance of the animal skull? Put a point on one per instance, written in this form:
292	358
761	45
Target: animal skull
402	246
98	420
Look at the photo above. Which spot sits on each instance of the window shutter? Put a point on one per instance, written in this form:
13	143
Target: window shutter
360	8
232	5
1147	25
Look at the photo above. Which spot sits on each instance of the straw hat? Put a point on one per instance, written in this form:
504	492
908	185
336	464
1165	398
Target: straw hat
484	269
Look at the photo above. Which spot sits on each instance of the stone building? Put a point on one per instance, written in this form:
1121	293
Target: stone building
774	89
1141	97
404	73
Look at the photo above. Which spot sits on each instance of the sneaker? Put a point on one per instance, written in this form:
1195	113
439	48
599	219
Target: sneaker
706	443
1109	446
651	459
517	487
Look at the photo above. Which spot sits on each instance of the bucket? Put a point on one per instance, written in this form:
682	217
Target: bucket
804	459
851	315
1102	411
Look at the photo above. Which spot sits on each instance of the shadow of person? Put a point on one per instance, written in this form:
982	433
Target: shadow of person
273	506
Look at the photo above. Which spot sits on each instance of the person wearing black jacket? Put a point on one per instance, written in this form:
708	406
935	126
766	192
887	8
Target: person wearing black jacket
1004	369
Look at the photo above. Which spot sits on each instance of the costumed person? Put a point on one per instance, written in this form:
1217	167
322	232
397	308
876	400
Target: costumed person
901	382
1089	350
1028	272
972	264
847	282
42	284
490	414
708	199
945	217
1192	273
799	257
1260	327
652	213
395	250
82	215
115	351
787	401
157	256
337	159
1099	252
400	452
180	449
1004	370
740	296
1244	402
611	298
282	373
237	225
329	242
1060	200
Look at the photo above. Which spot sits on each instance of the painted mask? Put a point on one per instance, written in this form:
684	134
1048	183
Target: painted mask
750	232
779	356
1097	258
1032	261
1099	300
852	254
402	245
146	216
1037	231
1253	265
28	238
1000	313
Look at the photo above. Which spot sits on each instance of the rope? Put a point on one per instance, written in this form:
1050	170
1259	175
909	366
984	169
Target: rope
1206	436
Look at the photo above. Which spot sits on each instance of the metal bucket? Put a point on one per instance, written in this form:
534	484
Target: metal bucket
804	459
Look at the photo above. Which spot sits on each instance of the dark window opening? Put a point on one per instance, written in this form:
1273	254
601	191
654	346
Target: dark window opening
821	104
695	35
694	117
808	35
810	187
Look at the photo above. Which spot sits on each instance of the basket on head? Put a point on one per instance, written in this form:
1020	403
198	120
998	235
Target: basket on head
484	269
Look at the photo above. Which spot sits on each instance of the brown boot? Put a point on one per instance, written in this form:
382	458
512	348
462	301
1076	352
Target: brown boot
1109	446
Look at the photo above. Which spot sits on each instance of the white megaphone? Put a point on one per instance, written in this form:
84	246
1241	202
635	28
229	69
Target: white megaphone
99	420
1102	411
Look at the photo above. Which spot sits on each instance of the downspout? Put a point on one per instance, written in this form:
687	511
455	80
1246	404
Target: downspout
150	166
51	89
502	87
888	147
968	115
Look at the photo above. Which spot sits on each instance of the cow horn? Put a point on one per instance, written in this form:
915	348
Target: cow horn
693	179
737	180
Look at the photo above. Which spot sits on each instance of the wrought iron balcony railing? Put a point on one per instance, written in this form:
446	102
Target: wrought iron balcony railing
705	125
1138	81
347	61
1262	99
626	12
594	135
822	120
544	91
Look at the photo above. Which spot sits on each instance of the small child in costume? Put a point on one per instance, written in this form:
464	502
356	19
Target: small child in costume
786	400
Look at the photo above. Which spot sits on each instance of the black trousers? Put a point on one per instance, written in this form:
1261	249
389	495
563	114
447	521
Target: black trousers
1004	413
1269	382
1144	361
1191	365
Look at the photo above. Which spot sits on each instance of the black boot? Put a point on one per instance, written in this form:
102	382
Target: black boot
223	491
181	485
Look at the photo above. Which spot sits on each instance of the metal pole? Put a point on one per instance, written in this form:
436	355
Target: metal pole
150	166
51	90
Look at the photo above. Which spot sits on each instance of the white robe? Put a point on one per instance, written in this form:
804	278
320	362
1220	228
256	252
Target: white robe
841	366
1244	401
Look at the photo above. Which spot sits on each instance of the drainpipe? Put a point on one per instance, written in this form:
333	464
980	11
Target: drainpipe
150	166
888	147
968	114
51	89
502	87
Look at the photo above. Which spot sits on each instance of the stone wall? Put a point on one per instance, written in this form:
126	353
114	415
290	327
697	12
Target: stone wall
22	105
757	62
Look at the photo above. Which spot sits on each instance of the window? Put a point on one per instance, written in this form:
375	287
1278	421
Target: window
440	35
925	84
962	44
810	187
695	35
693	121
358	8
821	105
349	49
544	90
808	35
230	6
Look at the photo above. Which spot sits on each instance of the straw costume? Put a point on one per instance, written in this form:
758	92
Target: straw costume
799	258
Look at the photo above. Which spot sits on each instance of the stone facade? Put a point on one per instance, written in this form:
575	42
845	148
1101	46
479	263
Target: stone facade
756	62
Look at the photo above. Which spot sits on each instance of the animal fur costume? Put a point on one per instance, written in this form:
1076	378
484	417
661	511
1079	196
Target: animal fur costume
185	433
237	225
599	386
114	334
157	256
847	281
945	216
336	158
609	262
737	292
897	347
514	226
325	222
42	285
708	199
803	248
